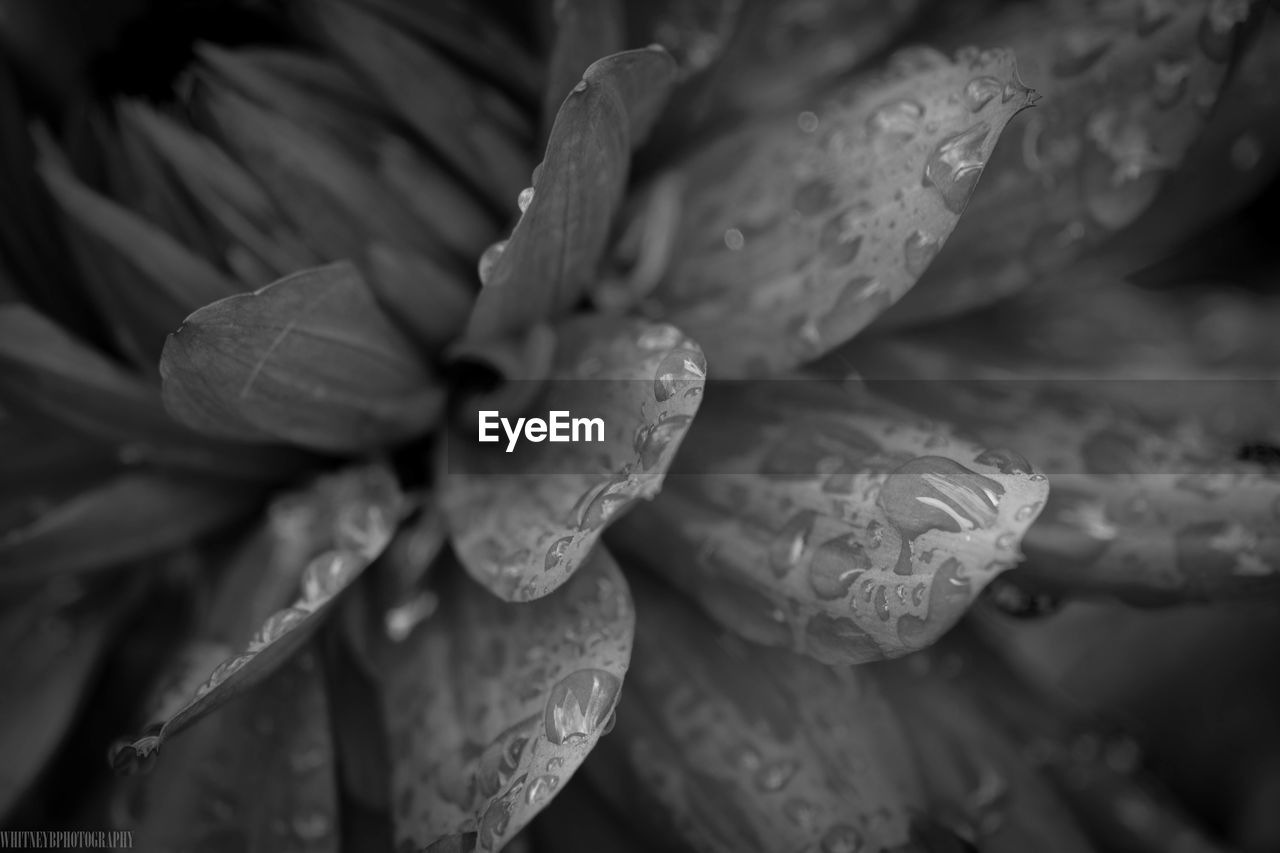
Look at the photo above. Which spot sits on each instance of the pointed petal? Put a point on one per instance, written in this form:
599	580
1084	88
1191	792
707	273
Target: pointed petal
741	749
260	776
586	30
309	359
1127	88
555	251
522	523
492	707
321	538
831	522
797	232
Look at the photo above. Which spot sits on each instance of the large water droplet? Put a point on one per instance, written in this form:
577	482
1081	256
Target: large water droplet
489	259
775	775
556	553
841	838
276	626
898	120
980	91
788	546
579	704
652	441
918	252
956	164
599	504
677	371
836	565
524	199
326	575
540	789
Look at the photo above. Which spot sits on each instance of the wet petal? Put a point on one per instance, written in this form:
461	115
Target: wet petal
796	233
738	748
586	30
118	520
523	522
492	707
260	776
1127	88
321	538
309	359
554	253
831	522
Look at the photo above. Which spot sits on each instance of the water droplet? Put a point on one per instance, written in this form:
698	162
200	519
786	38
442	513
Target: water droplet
882	604
807	121
734	240
311	826
745	757
399	621
1079	50
956	164
838	243
841	838
493	825
1005	541
524	199
326	575
898	120
918	252
652	441
1028	512
814	197
599	504
836	565
980	91
788	546
579	704
540	789
489	260
800	812
678	370
276	626
1169	81
227	668
580	87
775	775
556	553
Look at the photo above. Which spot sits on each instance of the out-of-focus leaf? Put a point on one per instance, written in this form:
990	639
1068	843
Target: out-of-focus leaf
429	301
309	359
52	647
42	458
748	750
464	120
586	30
796	232
554	253
580	821
492	707
259	777
1153	511
364	761
328	534
1127	87
523	522
695	32
831	522
47	370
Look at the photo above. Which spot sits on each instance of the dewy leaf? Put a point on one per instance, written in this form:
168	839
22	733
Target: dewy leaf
831	522
797	232
328	533
1127	87
747	750
586	30
47	370
125	518
1152	510
310	359
260	776
554	253
523	522
492	707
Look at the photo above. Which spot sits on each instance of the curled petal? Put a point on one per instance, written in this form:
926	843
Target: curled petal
795	233
831	522
309	359
741	749
555	251
491	707
522	522
1127	88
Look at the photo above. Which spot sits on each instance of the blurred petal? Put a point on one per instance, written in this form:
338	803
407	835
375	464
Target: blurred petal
309	359
327	535
741	749
1127	87
580	821
586	30
522	523
1153	511
796	233
554	253
118	520
429	301
492	707
695	32
830	522
258	777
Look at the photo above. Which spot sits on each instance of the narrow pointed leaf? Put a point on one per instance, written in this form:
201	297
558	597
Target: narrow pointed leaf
832	523
522	523
259	777
492	707
746	750
1127	88
554	253
309	359
796	232
322	539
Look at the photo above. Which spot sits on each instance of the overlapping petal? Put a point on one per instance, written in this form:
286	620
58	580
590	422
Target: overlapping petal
831	522
490	708
796	232
522	523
